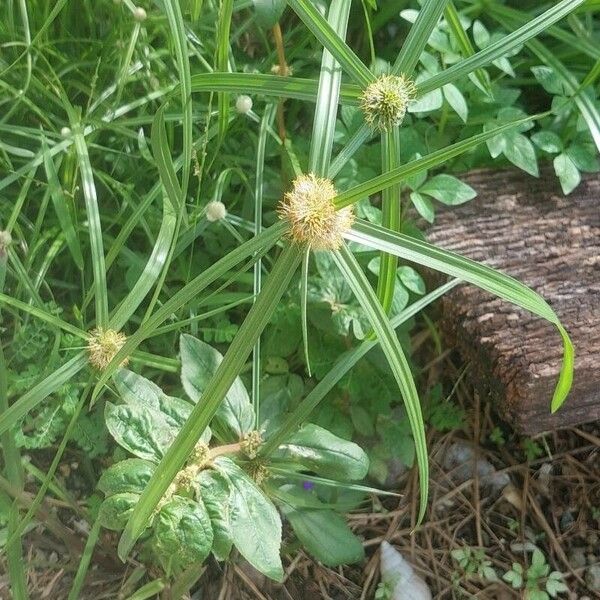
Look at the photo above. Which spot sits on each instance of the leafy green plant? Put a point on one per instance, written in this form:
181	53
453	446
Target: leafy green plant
143	205
474	563
225	495
537	581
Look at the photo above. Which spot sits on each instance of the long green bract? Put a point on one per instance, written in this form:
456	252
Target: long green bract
478	274
233	361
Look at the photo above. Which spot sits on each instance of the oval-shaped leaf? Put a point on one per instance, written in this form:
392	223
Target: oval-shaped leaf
216	495
268	12
139	430
326	536
255	522
199	361
316	449
130	475
183	534
116	510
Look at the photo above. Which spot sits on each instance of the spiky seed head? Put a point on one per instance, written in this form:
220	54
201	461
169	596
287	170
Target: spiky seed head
385	101
243	104
250	443
139	14
215	211
102	346
310	211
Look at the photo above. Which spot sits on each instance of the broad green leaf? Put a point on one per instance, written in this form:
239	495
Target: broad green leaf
478	274
116	510
448	190
567	173
423	206
584	157
456	100
268	12
183	534
325	535
521	153
130	475
255	523
411	279
503	46
548	141
140	430
216	495
313	448
136	390
199	362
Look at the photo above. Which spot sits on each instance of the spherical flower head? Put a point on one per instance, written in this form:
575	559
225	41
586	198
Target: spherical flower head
65	132
102	346
310	211
385	101
139	14
5	241
243	104
215	211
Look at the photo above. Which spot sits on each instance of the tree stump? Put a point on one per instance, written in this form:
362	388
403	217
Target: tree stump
528	229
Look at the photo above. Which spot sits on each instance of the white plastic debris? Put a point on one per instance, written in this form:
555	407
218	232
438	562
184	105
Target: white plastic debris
398	574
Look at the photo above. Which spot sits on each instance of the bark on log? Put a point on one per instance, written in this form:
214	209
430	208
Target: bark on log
528	229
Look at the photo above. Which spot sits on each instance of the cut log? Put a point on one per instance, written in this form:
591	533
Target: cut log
528	229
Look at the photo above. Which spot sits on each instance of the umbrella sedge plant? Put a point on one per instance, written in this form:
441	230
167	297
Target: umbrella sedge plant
204	476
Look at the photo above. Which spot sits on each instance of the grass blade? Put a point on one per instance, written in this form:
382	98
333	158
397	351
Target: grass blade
392	349
493	281
222	61
177	26
417	37
428	161
232	363
328	94
464	43
325	33
93	217
61	208
269	85
265	123
14	473
41	391
391	217
84	563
